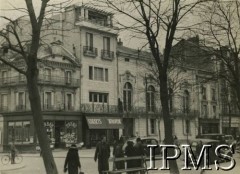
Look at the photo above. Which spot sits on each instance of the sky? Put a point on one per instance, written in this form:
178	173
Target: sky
6	5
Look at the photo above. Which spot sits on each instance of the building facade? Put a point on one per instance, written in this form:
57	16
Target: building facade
91	84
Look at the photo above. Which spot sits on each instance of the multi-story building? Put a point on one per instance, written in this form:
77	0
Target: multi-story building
90	84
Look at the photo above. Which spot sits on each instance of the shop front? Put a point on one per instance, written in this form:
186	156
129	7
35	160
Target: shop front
208	126
96	127
231	125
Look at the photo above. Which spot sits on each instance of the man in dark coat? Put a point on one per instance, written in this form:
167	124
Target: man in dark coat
102	154
118	153
72	162
130	152
139	149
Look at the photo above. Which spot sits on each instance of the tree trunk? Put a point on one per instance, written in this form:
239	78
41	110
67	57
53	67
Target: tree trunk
35	103
167	121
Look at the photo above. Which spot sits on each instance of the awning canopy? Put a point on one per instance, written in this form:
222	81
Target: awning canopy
104	122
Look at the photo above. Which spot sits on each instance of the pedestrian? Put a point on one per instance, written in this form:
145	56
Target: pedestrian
130	152
198	151
72	161
102	154
13	152
139	150
118	153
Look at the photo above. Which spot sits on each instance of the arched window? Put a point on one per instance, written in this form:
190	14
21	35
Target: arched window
127	97
186	101
151	99
170	99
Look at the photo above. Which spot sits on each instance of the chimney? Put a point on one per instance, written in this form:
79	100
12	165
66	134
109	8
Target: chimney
120	43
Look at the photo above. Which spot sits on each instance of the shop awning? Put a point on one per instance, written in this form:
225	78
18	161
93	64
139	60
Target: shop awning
104	122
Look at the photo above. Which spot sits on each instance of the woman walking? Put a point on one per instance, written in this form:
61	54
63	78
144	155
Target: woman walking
72	162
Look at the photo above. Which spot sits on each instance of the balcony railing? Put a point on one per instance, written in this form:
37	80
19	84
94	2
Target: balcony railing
98	108
90	51
3	108
21	108
42	79
184	113
106	54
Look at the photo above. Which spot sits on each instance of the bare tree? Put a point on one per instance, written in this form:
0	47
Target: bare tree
152	20
221	30
25	49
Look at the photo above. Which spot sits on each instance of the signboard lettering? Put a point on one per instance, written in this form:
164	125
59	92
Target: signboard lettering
94	121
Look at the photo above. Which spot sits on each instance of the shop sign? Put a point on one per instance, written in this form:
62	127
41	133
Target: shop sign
94	121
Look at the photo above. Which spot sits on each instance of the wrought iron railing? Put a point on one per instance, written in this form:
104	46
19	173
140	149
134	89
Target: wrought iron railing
106	54
98	108
184	113
90	51
42	79
3	108
21	108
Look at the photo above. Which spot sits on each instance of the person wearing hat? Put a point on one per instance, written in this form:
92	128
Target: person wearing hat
72	161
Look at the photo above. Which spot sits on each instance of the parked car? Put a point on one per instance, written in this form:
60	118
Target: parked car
212	155
214	136
230	140
145	141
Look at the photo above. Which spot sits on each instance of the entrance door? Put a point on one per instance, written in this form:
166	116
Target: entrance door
128	127
59	134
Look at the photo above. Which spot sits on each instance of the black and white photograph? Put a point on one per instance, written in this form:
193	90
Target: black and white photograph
119	86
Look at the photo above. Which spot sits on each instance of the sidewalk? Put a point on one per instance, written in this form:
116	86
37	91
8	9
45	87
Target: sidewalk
9	167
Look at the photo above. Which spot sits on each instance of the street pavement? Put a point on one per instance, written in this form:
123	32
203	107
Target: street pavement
33	164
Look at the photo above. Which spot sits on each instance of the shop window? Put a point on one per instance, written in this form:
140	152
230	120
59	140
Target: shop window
19	132
153	126
71	132
97	97
127	97
151	99
49	125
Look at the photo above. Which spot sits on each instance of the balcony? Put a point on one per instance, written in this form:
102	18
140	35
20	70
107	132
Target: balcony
107	55
90	51
100	25
43	80
98	108
3	108
21	108
185	114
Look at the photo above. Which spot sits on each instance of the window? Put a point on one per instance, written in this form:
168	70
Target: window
214	111
170	99
186	102
99	74
127	97
213	94
48	100
68	77
90	72
151	99
20	100
153	126
204	93
4	76
19	132
97	97
89	41
69	101
204	110
106	43
126	59
4	102
47	74
187	126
